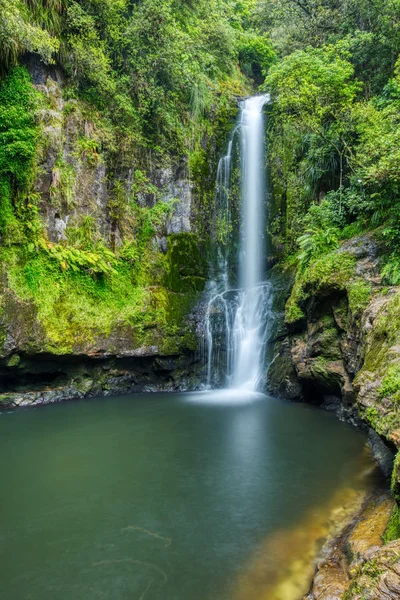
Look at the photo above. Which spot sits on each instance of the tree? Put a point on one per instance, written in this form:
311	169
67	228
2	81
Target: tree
314	90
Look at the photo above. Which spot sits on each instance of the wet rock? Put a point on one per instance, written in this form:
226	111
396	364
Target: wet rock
367	535
282	379
343	559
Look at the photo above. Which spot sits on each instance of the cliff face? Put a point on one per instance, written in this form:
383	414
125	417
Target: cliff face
343	342
103	302
338	345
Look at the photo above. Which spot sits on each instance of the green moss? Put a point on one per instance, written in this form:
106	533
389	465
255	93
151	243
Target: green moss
386	334
372	416
392	531
293	312
14	361
391	383
76	308
19	134
63	184
395	483
186	266
359	294
329	273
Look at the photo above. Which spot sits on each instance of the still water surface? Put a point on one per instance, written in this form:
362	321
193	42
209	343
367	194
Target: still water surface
158	497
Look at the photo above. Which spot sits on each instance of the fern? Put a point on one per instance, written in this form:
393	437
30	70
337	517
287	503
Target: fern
315	243
100	261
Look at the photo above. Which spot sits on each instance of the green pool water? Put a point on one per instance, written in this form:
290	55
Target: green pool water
158	496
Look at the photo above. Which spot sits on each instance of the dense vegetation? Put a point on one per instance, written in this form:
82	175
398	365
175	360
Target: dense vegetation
153	83
146	85
334	130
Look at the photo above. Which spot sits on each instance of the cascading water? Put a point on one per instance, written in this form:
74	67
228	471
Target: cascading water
237	319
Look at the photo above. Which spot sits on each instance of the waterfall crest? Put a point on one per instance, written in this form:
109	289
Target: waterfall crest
237	315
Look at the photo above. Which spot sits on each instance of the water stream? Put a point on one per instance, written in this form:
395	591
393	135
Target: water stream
243	309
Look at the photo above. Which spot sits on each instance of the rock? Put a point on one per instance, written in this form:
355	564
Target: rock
367	535
282	379
379	578
59	228
344	557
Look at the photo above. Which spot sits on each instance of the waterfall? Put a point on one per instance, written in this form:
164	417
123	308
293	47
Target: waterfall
237	315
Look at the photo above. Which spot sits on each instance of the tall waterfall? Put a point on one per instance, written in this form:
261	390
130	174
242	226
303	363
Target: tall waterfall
237	315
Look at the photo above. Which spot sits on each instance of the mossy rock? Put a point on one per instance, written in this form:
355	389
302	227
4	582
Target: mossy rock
328	274
14	360
325	343
186	265
282	377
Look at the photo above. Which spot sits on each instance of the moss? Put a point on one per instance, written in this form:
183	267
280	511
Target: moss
77	308
14	361
395	482
359	294
372	569
327	343
19	133
370	573
379	358
392	531
329	273
186	266
321	372
5	400
391	383
63	183
293	312
372	416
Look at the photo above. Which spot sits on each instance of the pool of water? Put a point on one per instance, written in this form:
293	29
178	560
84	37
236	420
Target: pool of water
159	496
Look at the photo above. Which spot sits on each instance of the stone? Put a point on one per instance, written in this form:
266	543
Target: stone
282	379
379	578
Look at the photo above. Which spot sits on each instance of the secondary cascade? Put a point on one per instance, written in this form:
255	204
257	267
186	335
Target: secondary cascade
237	315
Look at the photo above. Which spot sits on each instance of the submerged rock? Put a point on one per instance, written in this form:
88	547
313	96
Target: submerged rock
343	557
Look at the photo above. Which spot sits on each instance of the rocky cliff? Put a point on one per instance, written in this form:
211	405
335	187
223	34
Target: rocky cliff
100	300
338	346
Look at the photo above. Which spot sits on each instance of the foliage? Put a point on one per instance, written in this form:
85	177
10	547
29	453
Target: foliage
315	243
96	262
19	135
334	124
256	55
28	27
154	67
370	30
315	85
391	270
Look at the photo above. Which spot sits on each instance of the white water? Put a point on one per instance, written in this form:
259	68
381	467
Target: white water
244	311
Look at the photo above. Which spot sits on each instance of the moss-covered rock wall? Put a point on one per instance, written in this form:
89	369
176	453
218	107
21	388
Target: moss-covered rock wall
102	257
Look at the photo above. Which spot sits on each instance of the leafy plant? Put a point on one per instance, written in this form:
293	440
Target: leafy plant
391	270
95	262
89	149
315	243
